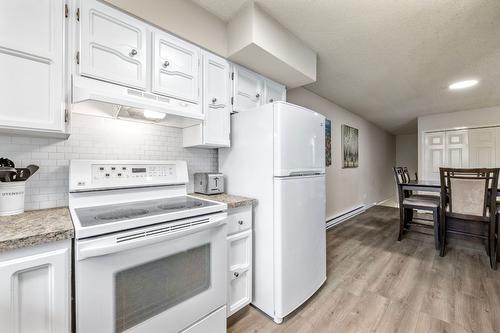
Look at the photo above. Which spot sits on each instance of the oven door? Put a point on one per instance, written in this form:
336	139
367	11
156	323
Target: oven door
157	279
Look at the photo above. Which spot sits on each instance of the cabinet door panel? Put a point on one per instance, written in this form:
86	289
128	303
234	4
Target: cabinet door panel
274	92
31	63
216	101
248	89
482	148
113	45
176	68
35	289
434	154
240	271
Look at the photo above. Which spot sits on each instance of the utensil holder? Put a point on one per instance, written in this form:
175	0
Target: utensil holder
12	198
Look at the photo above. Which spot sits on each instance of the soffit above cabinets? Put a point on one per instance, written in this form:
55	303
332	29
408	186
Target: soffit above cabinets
257	41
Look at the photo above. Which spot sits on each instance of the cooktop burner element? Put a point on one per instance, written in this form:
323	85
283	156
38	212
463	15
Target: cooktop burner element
92	216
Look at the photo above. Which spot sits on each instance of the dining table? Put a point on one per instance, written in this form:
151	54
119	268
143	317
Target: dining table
427	186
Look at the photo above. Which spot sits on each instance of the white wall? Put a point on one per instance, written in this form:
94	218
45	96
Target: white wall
97	138
455	120
407	152
183	18
372	181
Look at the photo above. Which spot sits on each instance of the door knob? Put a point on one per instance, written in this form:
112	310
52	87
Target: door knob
271	100
214	100
166	64
236	274
258	95
133	52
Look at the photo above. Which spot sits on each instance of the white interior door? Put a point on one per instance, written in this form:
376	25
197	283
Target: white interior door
497	153
457	149
248	89
300	240
482	147
31	64
434	154
274	92
176	68
299	140
216	100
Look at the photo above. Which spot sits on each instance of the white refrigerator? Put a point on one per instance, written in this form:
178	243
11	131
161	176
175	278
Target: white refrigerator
277	156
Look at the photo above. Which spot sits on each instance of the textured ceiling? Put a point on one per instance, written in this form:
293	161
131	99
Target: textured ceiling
391	61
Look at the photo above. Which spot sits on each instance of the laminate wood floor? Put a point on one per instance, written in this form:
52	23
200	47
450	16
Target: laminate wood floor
376	284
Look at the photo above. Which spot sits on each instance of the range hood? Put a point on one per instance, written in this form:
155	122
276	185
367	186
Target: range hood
130	103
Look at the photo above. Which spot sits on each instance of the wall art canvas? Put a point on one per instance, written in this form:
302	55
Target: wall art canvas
350	147
328	142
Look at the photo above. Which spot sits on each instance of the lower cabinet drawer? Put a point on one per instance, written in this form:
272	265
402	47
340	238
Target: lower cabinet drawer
239	219
239	291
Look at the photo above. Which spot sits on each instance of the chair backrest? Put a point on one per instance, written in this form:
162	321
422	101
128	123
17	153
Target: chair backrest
469	192
402	176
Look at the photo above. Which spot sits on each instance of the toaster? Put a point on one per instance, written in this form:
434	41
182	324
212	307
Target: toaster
209	183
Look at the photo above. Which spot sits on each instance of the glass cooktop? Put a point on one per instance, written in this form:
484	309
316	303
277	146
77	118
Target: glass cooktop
91	216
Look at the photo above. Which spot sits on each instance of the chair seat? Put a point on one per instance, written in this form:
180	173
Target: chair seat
430	201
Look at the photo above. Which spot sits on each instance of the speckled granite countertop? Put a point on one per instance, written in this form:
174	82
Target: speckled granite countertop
232	201
35	227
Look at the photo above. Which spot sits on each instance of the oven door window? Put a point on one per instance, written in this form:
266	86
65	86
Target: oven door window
144	291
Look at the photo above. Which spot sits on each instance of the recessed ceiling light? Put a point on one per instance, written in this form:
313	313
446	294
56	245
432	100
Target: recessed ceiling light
154	115
462	84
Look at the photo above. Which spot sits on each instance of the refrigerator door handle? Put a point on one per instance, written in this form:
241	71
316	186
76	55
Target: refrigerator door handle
305	173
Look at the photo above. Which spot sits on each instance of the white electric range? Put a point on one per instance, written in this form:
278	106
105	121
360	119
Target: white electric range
148	257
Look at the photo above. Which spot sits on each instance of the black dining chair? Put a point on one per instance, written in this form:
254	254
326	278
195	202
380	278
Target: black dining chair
408	202
469	206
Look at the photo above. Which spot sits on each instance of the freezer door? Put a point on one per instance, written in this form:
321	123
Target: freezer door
299	140
300	240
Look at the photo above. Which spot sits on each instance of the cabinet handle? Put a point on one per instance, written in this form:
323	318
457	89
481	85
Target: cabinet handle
240	222
214	100
258	95
166	64
133	52
236	274
271	100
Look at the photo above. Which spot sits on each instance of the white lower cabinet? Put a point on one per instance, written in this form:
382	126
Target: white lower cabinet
239	246
35	289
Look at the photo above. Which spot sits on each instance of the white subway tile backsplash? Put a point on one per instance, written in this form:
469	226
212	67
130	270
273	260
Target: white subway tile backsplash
97	138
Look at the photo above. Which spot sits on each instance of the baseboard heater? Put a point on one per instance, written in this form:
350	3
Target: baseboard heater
342	217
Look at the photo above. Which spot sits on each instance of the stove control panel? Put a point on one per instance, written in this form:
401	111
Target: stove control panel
93	175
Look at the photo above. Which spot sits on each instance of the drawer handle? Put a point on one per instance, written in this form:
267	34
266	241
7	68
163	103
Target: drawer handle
236	274
240	222
214	100
166	64
133	52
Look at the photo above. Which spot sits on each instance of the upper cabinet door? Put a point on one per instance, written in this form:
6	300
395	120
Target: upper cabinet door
482	147
216	98
113	45
248	89
274	92
31	65
176	68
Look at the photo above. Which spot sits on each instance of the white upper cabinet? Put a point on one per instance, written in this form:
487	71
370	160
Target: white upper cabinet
248	89
274	92
32	66
482	147
252	90
113	45
176	68
216	100
214	131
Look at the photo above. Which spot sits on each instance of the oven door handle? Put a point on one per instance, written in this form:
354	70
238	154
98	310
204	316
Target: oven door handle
101	250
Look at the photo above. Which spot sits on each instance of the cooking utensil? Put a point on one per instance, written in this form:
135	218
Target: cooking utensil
6	173
22	174
32	168
5	162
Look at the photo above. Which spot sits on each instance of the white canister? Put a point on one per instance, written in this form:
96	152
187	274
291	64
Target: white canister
12	198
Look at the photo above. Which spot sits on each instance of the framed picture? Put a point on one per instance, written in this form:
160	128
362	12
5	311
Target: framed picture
350	147
328	142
